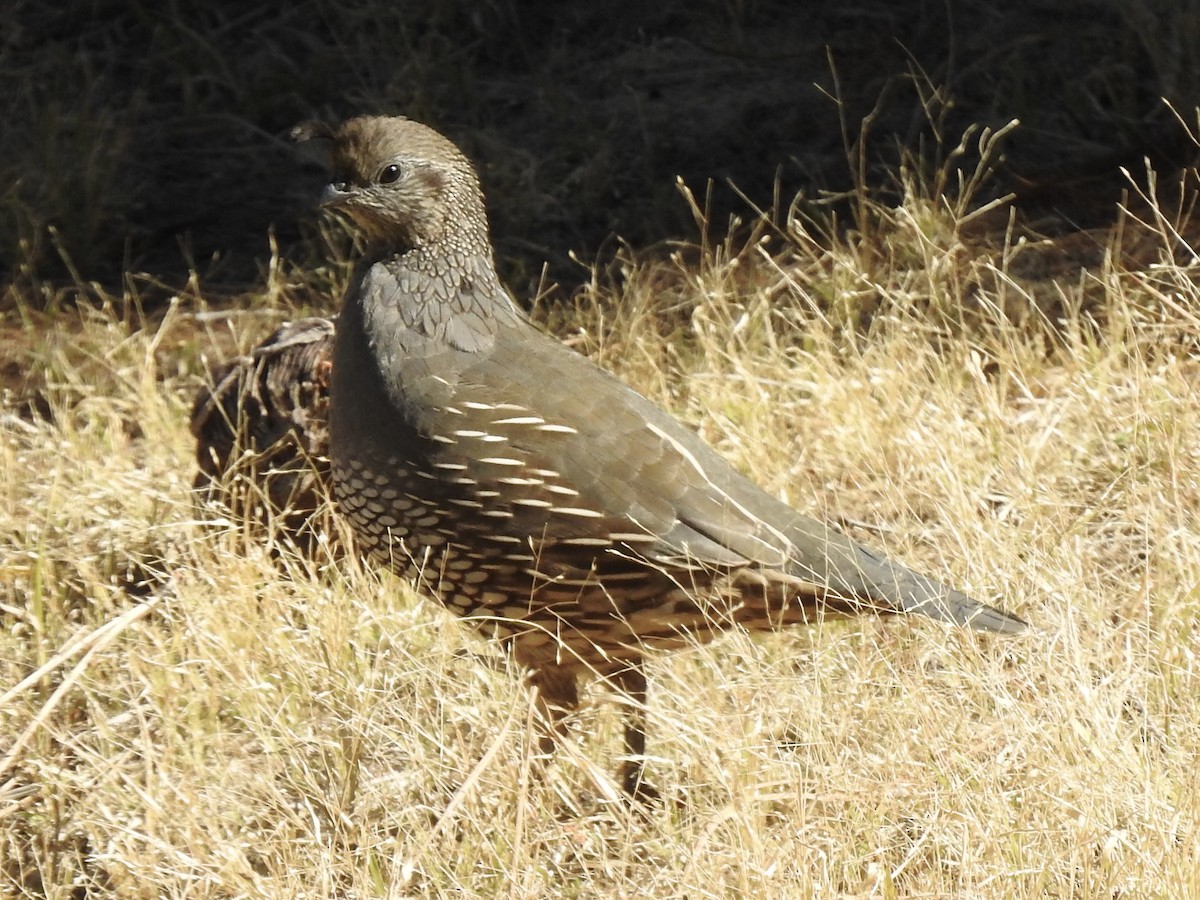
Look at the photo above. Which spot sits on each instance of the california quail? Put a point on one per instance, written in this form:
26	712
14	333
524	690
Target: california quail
261	423
528	490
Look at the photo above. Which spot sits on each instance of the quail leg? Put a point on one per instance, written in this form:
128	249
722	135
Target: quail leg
631	682
557	697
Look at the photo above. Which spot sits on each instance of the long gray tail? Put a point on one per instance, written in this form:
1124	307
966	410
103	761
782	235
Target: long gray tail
910	592
856	572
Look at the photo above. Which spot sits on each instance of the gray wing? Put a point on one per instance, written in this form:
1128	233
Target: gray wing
646	472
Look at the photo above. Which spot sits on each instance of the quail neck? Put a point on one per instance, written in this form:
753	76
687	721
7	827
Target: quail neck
428	278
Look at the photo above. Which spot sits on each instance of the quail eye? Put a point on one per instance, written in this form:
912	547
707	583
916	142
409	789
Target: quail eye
389	174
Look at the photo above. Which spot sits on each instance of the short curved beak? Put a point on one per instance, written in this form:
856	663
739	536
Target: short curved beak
336	193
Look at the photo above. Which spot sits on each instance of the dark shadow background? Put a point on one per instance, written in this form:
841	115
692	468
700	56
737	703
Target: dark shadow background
147	137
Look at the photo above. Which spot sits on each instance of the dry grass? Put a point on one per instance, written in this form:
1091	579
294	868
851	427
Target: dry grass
189	718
